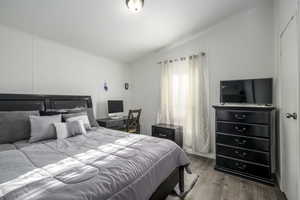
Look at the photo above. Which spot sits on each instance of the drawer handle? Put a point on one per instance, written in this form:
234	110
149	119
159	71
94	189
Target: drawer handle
163	135
241	154
240	142
237	116
240	166
241	130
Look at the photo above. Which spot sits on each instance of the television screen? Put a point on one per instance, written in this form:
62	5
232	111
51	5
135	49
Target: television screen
115	106
252	91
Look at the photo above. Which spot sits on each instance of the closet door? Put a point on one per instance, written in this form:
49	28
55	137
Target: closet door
289	81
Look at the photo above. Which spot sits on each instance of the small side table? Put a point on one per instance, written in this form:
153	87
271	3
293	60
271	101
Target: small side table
169	131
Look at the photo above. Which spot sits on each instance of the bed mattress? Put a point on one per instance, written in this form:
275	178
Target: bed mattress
102	165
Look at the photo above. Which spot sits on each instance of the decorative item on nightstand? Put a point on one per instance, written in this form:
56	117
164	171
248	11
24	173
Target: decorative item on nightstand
169	131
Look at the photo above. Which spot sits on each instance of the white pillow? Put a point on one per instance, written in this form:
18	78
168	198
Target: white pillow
69	129
61	130
76	127
83	118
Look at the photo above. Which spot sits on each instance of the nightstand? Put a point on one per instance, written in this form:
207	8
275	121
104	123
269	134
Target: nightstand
169	131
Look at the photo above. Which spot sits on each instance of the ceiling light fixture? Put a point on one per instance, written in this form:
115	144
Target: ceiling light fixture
135	5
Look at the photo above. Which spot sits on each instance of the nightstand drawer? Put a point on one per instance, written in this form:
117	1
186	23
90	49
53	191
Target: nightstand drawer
258	117
243	167
164	133
168	131
249	143
247	155
243	129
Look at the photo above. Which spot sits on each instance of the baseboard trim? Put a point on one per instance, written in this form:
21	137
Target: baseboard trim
205	155
271	181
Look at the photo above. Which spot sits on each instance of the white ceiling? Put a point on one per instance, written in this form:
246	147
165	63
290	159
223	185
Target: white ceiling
106	28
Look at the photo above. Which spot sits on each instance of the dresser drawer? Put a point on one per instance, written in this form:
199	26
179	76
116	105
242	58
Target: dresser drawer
258	157
163	133
249	143
255	117
243	129
244	167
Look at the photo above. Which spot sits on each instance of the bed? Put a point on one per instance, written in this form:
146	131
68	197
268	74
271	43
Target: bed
103	164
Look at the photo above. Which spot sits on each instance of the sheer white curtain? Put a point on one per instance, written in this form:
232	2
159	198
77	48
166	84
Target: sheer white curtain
184	101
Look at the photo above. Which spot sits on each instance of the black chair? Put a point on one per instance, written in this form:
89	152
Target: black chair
133	121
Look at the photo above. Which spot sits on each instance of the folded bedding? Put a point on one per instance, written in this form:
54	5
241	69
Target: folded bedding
102	165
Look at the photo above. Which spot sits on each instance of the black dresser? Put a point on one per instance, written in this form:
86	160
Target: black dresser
245	142
168	131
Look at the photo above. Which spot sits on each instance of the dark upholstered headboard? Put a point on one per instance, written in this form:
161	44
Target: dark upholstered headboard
27	102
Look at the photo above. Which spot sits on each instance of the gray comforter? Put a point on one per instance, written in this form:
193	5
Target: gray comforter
103	165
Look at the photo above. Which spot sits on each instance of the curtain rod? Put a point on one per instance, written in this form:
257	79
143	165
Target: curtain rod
182	58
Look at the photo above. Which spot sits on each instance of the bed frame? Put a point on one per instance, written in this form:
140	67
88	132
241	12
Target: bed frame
27	102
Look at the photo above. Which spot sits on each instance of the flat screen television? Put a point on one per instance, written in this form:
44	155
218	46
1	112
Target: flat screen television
251	91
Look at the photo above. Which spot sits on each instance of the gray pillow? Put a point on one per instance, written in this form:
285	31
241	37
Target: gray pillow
69	129
90	113
87	111
42	127
15	125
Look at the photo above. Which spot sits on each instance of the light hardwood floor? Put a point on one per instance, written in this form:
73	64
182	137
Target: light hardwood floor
214	185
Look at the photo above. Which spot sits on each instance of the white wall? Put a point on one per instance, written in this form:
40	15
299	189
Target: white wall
241	46
29	64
